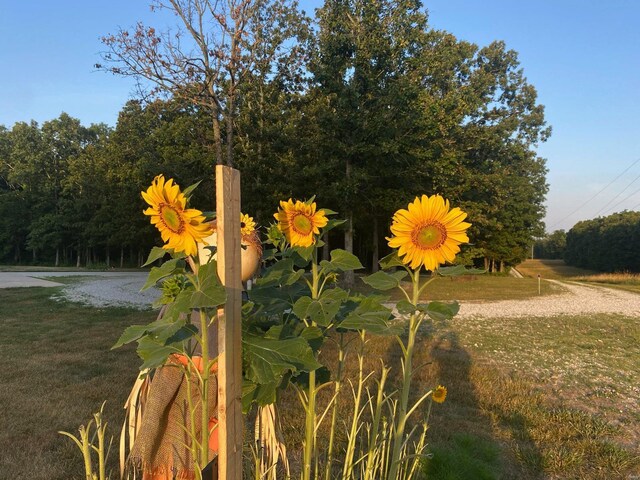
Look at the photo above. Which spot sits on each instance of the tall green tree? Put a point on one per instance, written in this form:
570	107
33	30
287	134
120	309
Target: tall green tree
362	89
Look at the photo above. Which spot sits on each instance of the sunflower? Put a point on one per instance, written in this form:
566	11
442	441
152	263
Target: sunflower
300	222
180	227
428	232
247	225
439	394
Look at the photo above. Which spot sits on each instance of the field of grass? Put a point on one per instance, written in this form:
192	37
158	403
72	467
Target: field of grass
476	288
554	269
57	370
528	398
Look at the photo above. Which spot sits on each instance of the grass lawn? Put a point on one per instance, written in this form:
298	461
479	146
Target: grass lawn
57	370
528	398
476	288
555	269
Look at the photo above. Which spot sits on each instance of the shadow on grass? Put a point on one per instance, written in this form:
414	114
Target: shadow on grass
462	441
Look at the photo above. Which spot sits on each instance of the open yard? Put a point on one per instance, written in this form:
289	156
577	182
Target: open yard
530	397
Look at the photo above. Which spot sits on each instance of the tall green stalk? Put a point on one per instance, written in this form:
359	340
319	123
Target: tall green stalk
310	420
204	336
398	436
334	413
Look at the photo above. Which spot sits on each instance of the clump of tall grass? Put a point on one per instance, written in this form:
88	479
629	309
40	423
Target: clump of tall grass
620	278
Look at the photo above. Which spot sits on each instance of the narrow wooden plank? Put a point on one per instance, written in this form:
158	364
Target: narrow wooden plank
229	324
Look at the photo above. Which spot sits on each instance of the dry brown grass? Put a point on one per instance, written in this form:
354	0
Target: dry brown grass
555	269
623	281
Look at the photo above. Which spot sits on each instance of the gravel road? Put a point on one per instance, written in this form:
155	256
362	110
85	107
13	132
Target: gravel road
578	299
100	289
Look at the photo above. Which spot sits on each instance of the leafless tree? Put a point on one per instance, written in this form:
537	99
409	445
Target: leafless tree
209	57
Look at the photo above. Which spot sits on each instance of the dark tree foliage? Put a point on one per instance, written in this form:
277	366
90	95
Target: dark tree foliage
607	244
552	246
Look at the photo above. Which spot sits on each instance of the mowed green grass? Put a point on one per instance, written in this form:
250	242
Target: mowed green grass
527	398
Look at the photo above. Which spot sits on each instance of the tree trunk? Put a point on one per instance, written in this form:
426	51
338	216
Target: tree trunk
376	247
121	257
78	259
57	264
493	265
501	266
33	255
108	258
87	257
349	276
325	247
486	264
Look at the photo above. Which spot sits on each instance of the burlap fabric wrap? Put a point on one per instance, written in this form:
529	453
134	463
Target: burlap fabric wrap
160	448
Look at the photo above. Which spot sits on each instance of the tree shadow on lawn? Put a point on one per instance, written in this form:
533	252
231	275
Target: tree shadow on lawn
461	437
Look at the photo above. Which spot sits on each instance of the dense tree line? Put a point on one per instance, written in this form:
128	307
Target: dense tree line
607	244
368	109
551	246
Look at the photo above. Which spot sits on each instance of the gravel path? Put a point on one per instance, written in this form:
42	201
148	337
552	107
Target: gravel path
579	299
99	289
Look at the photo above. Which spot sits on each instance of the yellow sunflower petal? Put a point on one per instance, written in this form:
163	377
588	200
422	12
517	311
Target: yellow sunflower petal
428	233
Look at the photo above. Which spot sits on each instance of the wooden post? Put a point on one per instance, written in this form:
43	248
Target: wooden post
229	324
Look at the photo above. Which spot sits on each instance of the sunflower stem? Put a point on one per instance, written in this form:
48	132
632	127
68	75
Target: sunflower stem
204	426
398	435
334	413
310	420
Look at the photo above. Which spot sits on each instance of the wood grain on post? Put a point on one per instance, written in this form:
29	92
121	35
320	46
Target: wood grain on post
229	324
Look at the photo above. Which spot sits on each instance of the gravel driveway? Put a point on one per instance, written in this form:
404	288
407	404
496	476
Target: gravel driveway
578	299
100	289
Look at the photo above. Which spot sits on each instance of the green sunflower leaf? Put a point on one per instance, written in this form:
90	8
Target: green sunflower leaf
458	270
322	310
390	261
384	281
439	311
158	273
405	307
270	359
341	260
155	254
209	291
189	190
328	211
371	316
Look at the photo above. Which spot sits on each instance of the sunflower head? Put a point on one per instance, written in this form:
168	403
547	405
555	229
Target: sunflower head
247	224
180	227
300	222
428	232
439	394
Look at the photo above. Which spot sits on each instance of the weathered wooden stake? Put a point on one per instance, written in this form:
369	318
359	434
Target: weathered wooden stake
229	324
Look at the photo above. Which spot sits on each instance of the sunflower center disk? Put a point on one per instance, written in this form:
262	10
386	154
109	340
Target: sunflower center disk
429	237
302	224
171	218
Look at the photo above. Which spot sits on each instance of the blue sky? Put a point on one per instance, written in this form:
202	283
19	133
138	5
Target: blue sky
583	56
